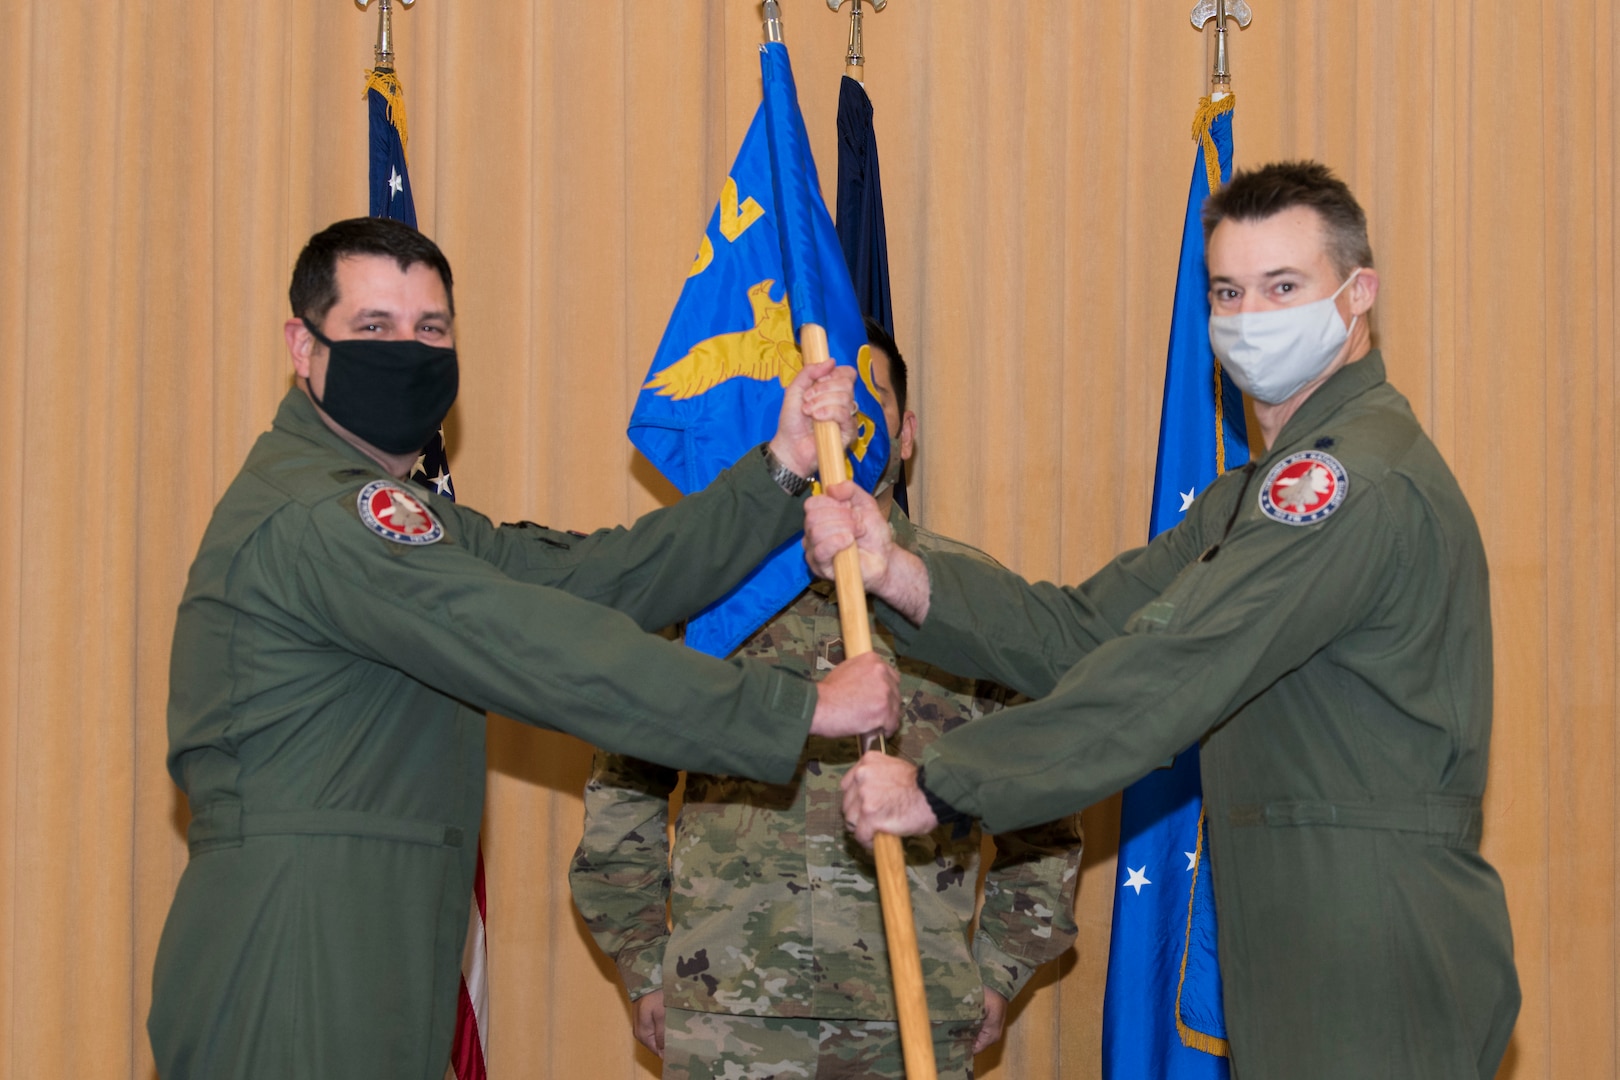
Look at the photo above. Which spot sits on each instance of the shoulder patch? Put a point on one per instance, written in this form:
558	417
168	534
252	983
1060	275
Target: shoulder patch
395	514
1304	488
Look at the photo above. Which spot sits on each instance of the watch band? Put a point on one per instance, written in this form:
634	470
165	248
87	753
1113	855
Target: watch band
785	478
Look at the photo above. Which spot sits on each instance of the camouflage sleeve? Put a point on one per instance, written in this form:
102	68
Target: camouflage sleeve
620	872
1028	915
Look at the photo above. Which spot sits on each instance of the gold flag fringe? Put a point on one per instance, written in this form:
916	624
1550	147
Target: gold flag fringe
1197	1040
386	83
1208	110
1203	119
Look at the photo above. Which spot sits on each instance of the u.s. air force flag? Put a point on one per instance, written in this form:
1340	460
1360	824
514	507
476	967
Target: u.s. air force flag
768	263
1162	1015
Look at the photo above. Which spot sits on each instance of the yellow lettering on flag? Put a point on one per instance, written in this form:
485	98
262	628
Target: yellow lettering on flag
735	219
863	364
865	428
705	256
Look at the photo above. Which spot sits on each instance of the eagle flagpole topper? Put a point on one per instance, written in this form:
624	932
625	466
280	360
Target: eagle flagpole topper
1218	10
854	58
385	30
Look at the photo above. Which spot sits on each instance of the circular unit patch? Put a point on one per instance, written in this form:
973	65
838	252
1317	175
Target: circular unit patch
395	514
1304	488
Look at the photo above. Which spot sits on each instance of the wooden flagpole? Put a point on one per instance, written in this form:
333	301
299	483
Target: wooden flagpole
894	890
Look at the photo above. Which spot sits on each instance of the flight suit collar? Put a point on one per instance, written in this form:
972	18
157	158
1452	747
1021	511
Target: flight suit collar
297	416
1349	382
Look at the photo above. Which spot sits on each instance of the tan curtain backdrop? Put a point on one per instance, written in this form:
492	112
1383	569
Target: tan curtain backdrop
162	162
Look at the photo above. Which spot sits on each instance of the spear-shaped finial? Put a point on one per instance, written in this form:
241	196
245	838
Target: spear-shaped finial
385	31
854	60
773	21
1220	11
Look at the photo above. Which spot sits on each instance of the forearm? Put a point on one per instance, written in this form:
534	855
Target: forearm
983	621
620	872
905	588
1028	914
671	562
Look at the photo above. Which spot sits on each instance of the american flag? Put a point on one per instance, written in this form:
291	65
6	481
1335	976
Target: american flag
391	198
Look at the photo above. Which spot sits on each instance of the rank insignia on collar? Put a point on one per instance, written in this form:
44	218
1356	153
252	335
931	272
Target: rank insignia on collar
395	514
1304	488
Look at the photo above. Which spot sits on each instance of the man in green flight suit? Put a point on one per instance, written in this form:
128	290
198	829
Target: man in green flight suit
777	963
1320	620
343	631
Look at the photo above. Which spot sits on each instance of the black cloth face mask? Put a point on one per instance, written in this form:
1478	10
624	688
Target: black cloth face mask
392	394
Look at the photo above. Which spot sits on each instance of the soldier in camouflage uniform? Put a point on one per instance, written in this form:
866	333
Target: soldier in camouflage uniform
777	965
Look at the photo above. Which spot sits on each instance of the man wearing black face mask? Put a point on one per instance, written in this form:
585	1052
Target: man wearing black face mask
317	929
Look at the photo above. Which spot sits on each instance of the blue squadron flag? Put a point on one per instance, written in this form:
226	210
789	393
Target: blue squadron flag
391	198
1162	1015
769	262
861	229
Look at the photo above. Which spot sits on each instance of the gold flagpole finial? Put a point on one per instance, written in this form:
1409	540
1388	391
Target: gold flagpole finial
854	60
385	31
773	21
1220	11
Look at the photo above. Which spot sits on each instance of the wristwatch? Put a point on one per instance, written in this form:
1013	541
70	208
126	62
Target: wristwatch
786	479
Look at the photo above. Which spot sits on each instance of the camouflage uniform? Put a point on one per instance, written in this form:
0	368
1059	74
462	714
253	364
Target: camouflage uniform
774	907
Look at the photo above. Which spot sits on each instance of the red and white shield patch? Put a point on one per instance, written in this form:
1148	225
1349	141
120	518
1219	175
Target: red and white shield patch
1304	488
395	514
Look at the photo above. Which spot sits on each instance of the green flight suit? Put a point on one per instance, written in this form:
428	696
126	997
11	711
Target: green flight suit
1339	675
773	905
326	722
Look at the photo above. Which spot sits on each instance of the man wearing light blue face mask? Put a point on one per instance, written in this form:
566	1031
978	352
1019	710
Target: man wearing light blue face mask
1277	324
1319	621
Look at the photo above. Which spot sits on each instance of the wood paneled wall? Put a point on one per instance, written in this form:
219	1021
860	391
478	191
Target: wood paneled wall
161	163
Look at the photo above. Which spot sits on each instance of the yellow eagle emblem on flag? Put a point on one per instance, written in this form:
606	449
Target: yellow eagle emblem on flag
765	352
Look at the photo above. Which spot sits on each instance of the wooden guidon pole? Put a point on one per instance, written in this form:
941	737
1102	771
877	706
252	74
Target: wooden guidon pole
905	962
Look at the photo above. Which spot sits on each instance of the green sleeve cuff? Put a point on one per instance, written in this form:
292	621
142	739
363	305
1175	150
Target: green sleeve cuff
946	787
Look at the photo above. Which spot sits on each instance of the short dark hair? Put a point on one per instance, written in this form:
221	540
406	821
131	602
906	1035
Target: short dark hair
879	338
1257	194
314	279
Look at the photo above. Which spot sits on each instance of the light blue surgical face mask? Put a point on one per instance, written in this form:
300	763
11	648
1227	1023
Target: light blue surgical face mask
1272	355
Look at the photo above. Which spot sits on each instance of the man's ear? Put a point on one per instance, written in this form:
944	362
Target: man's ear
1363	291
908	435
300	345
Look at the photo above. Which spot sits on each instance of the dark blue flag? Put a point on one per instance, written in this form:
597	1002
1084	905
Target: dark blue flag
390	179
1162	1016
768	263
861	231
